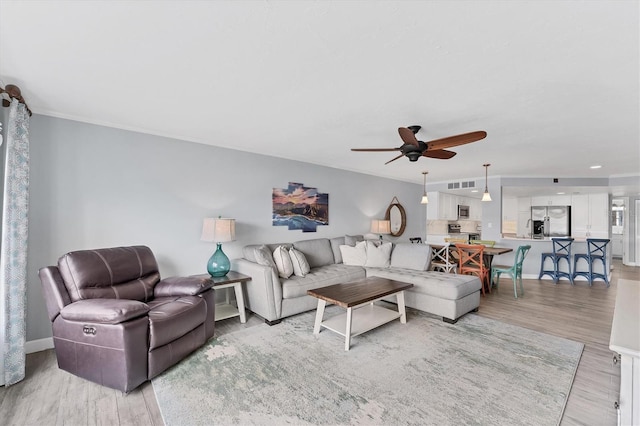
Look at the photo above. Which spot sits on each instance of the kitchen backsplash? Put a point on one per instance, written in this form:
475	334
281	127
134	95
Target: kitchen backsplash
440	226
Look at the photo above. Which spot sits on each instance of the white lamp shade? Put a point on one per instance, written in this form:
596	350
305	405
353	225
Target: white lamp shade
218	230
380	226
486	196
425	199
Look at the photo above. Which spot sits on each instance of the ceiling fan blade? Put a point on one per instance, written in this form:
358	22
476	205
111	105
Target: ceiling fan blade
408	136
457	140
394	159
374	149
442	154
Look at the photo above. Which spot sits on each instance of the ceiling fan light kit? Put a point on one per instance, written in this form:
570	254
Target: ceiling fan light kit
413	149
425	199
486	196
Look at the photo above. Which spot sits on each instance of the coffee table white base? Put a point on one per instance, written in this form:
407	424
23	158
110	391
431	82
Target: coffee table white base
359	319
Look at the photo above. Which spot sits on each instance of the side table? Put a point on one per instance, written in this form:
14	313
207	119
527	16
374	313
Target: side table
235	280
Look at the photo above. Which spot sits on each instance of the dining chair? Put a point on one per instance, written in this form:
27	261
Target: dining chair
515	270
561	250
471	262
596	250
442	260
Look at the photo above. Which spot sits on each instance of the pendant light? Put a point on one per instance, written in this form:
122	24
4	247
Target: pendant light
425	200
486	196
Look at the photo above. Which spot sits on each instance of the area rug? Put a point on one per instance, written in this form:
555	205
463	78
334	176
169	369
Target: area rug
426	372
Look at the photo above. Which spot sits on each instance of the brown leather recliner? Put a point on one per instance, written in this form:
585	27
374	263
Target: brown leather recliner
116	323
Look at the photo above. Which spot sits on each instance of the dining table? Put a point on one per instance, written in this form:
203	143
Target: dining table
487	257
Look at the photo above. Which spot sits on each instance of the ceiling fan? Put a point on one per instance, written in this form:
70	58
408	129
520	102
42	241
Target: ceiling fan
414	149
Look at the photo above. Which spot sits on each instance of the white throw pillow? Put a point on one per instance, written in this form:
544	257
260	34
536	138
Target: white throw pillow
299	262
356	256
378	255
283	262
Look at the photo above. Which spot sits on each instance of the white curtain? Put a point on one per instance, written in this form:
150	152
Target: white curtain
13	252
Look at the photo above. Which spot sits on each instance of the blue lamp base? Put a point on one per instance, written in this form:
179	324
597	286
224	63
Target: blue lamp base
218	264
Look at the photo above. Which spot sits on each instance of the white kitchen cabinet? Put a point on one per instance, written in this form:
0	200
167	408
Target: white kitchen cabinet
442	206
510	209
551	200
448	207
524	204
590	216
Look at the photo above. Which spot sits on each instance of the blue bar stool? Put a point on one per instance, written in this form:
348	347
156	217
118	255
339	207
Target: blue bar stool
561	250
596	250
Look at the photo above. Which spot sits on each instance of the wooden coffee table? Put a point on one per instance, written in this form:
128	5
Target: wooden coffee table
358	297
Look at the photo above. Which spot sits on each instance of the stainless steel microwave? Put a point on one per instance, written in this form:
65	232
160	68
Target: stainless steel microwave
463	212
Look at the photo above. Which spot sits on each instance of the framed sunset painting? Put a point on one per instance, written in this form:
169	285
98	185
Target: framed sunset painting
300	207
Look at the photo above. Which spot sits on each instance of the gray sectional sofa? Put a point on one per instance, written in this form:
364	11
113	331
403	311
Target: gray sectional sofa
272	297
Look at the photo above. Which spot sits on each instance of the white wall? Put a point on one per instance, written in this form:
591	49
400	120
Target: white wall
94	186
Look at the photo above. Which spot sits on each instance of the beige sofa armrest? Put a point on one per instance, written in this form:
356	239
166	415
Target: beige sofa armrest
264	291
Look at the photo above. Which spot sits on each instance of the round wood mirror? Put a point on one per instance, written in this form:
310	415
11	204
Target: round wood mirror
397	217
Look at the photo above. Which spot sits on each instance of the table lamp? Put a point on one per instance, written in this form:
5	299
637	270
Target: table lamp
218	230
380	227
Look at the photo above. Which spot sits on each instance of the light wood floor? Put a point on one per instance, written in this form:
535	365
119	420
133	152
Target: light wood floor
49	396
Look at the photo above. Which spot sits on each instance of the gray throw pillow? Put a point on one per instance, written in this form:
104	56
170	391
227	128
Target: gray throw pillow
264	257
351	240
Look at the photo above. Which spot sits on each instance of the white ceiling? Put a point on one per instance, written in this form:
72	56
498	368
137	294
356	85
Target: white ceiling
554	84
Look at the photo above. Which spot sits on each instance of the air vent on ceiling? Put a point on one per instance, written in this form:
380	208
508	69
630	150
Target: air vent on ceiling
461	185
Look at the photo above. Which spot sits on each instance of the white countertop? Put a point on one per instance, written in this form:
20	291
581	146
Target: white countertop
542	240
625	330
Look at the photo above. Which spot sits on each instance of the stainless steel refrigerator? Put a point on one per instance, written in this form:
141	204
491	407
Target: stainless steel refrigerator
551	221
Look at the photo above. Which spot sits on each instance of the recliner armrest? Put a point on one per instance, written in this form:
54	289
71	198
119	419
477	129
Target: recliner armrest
182	286
106	311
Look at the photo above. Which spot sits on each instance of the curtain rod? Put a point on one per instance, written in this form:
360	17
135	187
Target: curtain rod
13	92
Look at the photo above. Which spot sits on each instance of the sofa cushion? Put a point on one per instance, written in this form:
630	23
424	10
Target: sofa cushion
378	255
432	283
173	317
335	247
351	240
320	277
299	262
249	251
283	261
317	251
354	256
411	256
262	255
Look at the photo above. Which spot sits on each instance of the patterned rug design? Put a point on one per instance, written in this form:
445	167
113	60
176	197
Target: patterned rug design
425	372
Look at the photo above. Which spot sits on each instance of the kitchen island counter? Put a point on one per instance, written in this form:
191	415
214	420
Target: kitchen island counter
542	240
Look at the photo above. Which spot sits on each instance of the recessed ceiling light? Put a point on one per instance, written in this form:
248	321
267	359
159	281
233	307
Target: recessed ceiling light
560	193
597	166
474	190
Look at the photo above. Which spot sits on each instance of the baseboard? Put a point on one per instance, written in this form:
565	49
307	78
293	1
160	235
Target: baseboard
38	345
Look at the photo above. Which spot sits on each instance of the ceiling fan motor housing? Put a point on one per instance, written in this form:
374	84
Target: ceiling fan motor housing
413	155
